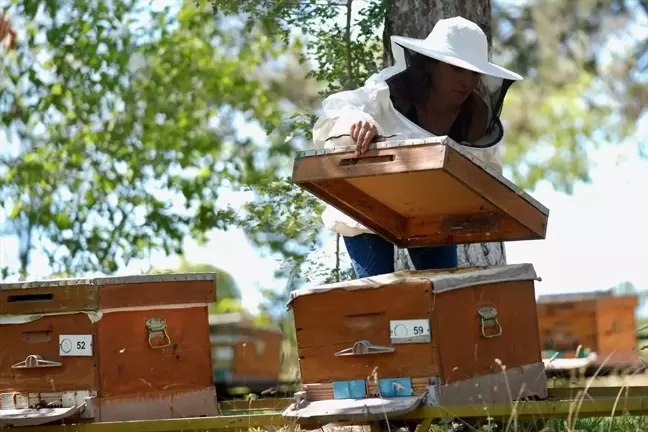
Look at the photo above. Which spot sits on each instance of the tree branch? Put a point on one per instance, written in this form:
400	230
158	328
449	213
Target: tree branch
347	42
644	5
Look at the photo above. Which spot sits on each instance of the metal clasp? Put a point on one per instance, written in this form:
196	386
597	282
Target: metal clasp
364	347
157	328
488	318
35	361
301	399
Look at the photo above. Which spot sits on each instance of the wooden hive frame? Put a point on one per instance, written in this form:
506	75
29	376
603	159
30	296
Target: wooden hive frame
469	203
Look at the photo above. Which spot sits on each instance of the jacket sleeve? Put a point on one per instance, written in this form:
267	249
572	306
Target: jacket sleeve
490	156
494	159
341	110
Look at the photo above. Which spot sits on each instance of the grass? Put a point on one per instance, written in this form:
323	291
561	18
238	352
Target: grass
618	423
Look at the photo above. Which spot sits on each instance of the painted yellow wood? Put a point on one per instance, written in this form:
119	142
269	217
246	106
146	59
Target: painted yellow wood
259	404
198	424
604	404
599	407
554	393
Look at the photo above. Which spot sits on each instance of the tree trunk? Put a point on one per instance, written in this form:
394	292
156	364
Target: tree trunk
416	18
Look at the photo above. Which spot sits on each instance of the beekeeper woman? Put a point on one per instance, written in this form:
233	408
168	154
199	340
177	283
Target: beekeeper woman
441	85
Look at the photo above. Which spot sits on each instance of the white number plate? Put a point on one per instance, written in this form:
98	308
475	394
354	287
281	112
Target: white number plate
75	345
410	331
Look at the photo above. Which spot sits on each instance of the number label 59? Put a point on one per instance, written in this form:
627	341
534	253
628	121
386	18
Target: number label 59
410	331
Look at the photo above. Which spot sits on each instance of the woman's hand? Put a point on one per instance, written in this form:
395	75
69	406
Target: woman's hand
7	32
364	133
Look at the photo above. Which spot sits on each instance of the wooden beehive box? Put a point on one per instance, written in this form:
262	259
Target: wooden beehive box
600	322
422	193
122	348
405	332
244	354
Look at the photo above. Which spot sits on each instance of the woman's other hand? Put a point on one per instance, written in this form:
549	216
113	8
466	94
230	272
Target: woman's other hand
364	133
7	32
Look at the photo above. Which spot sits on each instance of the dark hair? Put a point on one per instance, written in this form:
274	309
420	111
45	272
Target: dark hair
414	83
412	86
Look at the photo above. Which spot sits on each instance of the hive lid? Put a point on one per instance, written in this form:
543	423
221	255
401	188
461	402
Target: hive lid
329	411
36	417
564	364
575	297
442	280
422	193
240	320
107	280
106	293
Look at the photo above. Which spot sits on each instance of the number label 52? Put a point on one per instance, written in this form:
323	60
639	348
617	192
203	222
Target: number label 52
75	345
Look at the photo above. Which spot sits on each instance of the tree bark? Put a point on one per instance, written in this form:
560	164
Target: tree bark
416	18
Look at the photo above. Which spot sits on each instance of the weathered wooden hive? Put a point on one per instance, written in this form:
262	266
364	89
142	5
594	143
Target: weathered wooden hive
106	349
419	337
422	193
244	354
597	322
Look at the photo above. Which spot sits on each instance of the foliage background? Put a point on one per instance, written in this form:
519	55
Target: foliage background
124	121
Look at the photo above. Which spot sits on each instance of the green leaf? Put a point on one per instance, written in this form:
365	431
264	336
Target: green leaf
15	211
128	129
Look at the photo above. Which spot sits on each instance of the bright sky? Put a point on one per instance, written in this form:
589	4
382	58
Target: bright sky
596	238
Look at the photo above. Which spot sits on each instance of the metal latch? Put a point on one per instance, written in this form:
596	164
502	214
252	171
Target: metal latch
364	347
35	361
156	329
488	318
301	399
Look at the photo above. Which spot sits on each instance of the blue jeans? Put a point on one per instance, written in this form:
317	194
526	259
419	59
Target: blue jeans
372	255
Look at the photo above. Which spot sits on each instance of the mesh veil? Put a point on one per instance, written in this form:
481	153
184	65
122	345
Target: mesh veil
492	90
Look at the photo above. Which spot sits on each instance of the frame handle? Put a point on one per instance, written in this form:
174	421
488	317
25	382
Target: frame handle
364	347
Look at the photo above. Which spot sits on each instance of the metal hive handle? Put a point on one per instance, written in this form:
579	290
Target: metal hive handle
488	319
34	361
366	160
364	347
157	328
